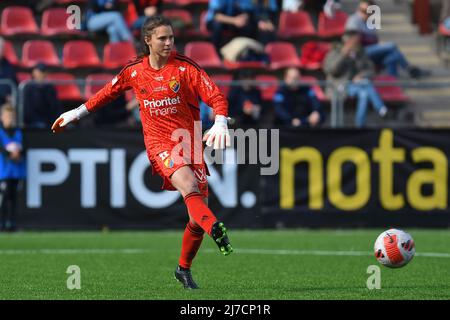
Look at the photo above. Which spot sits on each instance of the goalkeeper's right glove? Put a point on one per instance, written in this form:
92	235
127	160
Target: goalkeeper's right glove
69	117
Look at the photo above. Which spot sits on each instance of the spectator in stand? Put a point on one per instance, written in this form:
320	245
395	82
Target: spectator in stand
245	100
7	72
445	14
230	16
266	13
12	167
386	54
106	15
297	105
292	5
41	105
348	66
145	9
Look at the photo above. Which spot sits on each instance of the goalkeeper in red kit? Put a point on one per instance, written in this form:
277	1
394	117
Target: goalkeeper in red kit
168	86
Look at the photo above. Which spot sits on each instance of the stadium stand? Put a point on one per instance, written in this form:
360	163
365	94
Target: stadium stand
10	53
222	81
295	24
79	54
203	53
282	55
268	86
303	40
17	20
94	82
54	23
117	54
39	51
332	27
67	89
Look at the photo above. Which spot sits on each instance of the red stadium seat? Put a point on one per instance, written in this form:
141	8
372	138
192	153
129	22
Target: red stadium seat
118	54
181	3
80	53
315	86
202	31
203	53
96	81
268	90
388	92
179	15
36	51
224	88
313	53
244	65
70	1
18	20
332	27
282	55
66	91
443	30
295	24
23	76
54	22
10	53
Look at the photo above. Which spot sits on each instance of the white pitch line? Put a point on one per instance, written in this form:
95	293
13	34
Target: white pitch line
327	253
237	251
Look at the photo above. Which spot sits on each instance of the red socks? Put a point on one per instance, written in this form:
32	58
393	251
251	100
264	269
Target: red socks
193	234
192	239
199	211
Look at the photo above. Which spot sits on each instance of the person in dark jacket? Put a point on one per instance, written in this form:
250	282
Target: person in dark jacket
145	9
7	72
41	104
245	101
297	105
12	167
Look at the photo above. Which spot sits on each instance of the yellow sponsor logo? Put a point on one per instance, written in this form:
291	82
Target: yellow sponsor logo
386	156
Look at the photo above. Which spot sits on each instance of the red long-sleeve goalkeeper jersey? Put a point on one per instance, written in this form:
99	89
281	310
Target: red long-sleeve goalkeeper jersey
168	98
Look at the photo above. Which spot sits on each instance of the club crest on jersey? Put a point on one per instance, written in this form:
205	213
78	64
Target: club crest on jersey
174	85
168	163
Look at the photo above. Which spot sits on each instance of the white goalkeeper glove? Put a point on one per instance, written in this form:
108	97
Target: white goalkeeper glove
69	117
218	136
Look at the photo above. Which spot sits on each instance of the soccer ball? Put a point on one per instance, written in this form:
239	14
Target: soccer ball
394	248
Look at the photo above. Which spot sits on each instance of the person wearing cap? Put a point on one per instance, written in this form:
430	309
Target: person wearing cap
41	104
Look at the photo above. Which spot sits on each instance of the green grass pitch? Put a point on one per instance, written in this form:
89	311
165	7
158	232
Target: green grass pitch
284	264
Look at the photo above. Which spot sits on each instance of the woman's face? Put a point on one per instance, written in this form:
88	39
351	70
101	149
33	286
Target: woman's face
161	41
8	119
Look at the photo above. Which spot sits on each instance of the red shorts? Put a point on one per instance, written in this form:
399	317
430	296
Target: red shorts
164	166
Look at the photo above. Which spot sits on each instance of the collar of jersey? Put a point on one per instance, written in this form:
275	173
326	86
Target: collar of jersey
148	66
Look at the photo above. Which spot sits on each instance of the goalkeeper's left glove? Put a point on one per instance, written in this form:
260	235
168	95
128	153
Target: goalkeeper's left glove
218	134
